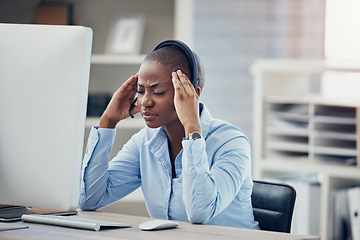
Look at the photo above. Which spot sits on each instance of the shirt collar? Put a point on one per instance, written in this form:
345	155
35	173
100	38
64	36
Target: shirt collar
158	138
205	120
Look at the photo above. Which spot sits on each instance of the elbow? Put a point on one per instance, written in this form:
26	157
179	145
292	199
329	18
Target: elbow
198	218
87	205
197	221
86	208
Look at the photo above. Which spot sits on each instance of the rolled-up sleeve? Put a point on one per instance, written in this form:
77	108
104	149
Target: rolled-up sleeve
210	185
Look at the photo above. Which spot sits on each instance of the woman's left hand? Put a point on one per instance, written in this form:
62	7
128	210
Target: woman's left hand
186	102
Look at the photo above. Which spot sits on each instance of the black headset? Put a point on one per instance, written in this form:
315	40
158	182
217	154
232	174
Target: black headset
189	55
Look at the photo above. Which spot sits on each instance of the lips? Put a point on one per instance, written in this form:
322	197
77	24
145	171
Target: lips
148	116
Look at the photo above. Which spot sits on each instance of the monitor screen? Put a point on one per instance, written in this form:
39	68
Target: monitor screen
44	77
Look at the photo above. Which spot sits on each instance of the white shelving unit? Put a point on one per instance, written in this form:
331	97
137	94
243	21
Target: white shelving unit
298	133
107	59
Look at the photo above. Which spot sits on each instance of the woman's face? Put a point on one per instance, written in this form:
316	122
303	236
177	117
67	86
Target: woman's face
156	95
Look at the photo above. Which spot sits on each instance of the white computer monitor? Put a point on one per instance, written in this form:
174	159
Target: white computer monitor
44	77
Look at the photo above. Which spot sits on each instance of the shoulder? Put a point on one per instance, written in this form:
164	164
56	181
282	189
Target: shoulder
225	142
217	128
225	130
222	137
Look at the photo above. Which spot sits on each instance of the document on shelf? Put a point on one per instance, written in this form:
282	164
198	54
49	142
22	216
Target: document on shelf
88	224
354	208
340	226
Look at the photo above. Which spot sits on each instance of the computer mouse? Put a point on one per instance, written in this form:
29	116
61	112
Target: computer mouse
158	224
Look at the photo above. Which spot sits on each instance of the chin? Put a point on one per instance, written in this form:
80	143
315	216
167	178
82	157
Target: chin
152	124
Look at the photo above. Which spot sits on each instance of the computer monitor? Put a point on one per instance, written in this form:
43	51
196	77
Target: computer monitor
44	77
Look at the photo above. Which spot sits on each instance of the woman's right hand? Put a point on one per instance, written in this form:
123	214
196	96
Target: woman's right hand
118	108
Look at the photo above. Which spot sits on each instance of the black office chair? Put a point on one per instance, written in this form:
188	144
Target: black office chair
273	205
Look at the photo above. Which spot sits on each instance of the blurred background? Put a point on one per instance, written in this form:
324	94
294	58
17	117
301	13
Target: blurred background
286	72
228	35
231	35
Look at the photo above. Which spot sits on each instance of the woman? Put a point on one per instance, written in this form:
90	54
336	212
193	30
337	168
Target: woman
190	166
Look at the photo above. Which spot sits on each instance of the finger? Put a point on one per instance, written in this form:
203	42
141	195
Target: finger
188	83
131	83
176	81
177	86
128	90
185	82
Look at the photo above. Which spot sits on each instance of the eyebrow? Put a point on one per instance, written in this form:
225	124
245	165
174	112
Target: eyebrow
154	85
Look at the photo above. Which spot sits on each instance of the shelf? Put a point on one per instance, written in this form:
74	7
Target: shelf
334	120
294	65
301	134
305	167
313	99
288	131
288	147
325	133
335	151
290	116
128	123
117	59
334	135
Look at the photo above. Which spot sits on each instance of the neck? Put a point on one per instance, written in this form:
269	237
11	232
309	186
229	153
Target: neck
175	132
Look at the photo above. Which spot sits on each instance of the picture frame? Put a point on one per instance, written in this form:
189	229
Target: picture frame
126	34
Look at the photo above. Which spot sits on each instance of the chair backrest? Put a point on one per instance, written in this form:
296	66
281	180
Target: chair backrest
273	205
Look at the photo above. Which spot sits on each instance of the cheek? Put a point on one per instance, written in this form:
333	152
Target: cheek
138	100
168	103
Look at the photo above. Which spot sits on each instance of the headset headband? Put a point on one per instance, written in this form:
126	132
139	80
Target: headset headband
189	54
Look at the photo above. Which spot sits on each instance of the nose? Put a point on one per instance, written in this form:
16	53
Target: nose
146	100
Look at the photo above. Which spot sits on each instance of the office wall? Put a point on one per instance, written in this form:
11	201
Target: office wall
230	34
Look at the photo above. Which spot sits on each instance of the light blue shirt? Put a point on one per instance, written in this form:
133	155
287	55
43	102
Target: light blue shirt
213	181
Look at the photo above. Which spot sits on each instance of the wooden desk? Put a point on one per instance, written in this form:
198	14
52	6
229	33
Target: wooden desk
184	231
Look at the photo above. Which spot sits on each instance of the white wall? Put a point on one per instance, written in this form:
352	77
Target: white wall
230	34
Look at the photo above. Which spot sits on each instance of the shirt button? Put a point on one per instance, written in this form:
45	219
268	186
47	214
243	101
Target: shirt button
178	166
198	164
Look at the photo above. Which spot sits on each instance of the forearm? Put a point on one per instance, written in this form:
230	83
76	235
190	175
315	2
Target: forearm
95	168
105	122
104	182
208	190
196	182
